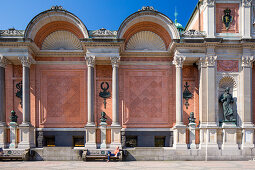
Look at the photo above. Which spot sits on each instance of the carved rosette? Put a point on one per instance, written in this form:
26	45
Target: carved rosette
115	61
178	61
90	60
210	61
26	61
3	61
247	61
247	3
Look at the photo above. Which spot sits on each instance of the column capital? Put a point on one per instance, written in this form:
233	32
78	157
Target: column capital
201	62
178	61
3	61
210	61
90	60
247	3
247	61
210	3
26	61
115	61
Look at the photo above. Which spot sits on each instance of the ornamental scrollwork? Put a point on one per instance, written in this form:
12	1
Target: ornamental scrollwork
26	61
210	61
193	33
90	61
247	61
178	61
3	61
103	32
247	3
210	2
147	8
12	32
115	61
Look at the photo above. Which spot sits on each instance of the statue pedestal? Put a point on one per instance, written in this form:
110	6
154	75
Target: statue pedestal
103	128
115	136
192	135
229	136
208	136
90	137
27	136
13	135
180	137
3	136
247	137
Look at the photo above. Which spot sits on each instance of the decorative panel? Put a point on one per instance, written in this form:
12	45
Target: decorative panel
234	25
227	65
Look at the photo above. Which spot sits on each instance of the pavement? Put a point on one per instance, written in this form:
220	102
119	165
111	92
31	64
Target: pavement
129	165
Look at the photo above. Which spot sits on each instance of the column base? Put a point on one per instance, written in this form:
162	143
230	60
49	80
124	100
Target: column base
180	137
229	136
3	136
115	137
27	136
247	137
90	137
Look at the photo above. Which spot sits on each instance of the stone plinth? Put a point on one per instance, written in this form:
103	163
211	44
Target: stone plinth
229	136
115	136
27	137
208	136
247	136
13	135
192	135
180	137
2	136
90	137
103	128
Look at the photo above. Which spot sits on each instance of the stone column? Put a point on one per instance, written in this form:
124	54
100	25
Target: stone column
180	129
90	127
115	126
210	18
246	102
208	125
27	134
246	15
3	63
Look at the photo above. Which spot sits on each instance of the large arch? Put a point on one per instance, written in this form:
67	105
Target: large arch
148	19
55	19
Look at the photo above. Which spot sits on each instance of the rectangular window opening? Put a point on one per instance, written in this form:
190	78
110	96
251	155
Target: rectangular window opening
159	141
131	141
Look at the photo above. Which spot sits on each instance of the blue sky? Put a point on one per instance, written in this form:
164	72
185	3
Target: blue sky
95	14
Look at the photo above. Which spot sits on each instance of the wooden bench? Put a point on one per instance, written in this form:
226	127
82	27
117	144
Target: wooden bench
100	155
17	155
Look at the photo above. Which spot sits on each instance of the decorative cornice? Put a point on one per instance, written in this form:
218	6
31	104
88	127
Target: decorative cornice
115	61
247	61
193	33
178	61
210	61
26	61
3	61
90	60
247	3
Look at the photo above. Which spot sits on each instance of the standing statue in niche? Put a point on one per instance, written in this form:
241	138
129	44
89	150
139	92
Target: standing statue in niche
226	99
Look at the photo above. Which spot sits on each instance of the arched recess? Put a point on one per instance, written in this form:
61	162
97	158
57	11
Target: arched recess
53	20
148	19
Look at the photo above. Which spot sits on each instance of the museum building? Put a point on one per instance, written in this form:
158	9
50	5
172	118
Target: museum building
151	87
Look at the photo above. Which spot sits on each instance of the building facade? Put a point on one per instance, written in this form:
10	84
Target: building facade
135	87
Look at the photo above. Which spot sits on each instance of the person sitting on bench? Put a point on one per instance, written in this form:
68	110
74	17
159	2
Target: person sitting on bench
116	153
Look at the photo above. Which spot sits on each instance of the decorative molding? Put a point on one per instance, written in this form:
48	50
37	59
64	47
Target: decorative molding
147	8
247	61
90	60
247	3
178	61
210	61
3	61
26	61
115	61
103	33
193	33
12	32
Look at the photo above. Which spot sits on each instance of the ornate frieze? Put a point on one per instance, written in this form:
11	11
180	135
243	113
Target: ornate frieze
90	60
12	32
193	33
247	61
115	61
178	61
26	61
227	65
3	61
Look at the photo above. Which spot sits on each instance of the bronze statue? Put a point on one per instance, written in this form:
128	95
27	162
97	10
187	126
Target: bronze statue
103	118
192	118
13	117
226	99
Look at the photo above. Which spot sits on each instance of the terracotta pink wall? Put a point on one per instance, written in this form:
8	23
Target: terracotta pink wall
147	96
61	95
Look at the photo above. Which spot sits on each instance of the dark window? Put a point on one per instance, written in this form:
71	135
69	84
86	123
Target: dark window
159	141
131	141
78	141
50	140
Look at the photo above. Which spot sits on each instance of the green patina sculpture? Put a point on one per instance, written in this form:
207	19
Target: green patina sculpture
226	99
192	118
103	118
13	116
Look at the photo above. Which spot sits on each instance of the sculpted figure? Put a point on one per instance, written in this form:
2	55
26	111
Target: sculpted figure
226	99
